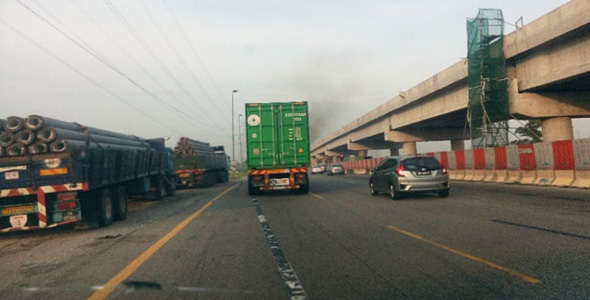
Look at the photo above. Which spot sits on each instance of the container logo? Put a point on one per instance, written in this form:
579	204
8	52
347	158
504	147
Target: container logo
253	120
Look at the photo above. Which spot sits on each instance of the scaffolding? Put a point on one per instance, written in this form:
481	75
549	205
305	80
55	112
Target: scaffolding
488	112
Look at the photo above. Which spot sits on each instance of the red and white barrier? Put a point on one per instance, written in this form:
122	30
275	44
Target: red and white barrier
559	163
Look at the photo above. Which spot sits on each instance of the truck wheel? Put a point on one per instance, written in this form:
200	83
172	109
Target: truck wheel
120	202
225	176
106	208
159	192
170	188
304	189
251	189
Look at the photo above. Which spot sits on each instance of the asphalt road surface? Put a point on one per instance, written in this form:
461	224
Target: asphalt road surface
486	241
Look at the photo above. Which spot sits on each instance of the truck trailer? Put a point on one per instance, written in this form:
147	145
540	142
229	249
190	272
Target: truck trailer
277	137
54	172
200	165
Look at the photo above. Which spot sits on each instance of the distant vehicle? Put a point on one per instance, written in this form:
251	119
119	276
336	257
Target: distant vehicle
200	165
403	174
317	170
335	169
277	137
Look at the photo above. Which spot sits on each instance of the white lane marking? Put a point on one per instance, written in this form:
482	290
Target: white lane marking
291	283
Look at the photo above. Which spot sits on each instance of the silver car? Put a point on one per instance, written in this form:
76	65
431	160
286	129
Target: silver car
403	174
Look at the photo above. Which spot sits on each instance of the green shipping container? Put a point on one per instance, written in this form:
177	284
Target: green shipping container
277	135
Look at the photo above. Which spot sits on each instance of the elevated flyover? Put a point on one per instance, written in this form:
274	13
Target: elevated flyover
548	64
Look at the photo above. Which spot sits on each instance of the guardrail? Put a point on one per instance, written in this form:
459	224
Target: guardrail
560	163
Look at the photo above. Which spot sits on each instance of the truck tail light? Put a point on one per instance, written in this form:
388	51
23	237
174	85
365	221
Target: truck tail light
300	178
67	205
69	196
67	200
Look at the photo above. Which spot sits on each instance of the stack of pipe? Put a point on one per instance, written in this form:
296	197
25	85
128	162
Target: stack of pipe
188	148
36	134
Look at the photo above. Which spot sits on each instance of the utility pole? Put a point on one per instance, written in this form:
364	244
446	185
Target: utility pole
233	150
240	136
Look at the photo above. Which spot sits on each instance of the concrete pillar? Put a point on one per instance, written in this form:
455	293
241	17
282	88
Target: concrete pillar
457	145
394	151
409	148
557	129
362	153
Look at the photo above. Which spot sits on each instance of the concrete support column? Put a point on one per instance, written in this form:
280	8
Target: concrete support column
394	151
409	148
457	145
557	129
362	153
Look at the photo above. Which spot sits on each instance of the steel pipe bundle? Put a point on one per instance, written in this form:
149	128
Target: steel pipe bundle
13	124
6	138
187	148
36	135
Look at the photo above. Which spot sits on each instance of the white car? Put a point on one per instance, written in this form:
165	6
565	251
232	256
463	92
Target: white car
316	170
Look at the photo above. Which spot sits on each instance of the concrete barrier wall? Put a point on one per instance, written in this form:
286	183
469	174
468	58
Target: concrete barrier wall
545	163
559	163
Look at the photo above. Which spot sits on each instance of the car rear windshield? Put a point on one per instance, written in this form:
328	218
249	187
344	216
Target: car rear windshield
419	163
336	166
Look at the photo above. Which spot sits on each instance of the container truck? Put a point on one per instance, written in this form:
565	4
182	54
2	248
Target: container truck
54	172
277	137
200	165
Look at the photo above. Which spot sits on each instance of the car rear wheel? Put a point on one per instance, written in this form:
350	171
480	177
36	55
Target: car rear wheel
372	188
444	193
392	193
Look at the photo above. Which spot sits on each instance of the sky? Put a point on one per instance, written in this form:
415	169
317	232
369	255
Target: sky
167	68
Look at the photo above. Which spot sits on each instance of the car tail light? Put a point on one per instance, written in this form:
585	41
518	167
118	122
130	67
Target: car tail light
400	171
444	171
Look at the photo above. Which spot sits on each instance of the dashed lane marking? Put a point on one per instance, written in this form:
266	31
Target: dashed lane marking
317	196
291	283
469	256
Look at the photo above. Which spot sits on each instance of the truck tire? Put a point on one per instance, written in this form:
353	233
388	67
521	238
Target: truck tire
159	192
251	189
209	179
304	189
105	208
170	187
119	194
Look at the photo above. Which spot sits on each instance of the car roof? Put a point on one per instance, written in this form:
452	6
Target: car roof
403	157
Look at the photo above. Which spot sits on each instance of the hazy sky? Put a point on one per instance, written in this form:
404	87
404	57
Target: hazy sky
157	68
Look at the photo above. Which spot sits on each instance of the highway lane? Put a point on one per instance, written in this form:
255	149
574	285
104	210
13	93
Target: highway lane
485	241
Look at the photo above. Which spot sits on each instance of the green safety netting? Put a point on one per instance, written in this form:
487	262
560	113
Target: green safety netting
488	83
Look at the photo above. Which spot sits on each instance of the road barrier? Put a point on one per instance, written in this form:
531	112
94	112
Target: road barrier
560	163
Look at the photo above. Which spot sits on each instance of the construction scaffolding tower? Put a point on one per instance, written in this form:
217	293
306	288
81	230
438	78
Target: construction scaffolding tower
488	112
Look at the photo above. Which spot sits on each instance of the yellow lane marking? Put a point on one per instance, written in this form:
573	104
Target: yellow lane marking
108	288
469	256
317	196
